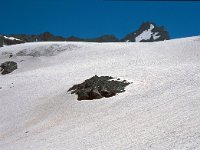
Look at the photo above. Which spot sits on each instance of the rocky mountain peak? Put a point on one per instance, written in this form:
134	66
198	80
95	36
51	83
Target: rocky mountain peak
148	32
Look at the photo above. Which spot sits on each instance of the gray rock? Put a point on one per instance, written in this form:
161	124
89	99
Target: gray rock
8	67
82	95
95	94
106	93
98	87
1	41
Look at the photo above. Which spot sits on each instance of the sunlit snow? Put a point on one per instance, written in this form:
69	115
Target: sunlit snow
160	110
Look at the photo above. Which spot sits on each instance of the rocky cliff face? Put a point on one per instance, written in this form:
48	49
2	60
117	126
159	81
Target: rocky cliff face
148	32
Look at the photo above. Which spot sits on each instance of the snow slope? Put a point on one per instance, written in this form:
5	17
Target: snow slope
160	110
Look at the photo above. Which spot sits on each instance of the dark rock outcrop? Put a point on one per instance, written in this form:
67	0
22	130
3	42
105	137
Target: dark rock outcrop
5	40
47	36
1	41
12	42
98	87
148	32
104	38
8	67
26	37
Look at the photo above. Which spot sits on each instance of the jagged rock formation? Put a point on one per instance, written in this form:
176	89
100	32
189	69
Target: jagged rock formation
98	87
148	32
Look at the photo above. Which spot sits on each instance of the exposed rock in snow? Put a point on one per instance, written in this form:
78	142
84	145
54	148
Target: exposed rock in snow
8	67
148	32
98	87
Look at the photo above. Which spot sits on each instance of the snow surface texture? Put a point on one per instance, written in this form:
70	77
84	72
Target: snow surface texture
160	110
147	34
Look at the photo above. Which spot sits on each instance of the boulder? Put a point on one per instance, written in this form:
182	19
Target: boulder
98	87
8	67
88	94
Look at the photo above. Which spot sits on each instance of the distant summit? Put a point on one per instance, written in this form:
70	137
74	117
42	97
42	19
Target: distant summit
47	36
148	32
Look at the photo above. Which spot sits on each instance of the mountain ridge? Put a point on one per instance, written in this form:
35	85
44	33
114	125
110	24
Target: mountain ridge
147	32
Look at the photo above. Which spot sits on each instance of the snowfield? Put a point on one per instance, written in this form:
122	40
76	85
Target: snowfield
160	110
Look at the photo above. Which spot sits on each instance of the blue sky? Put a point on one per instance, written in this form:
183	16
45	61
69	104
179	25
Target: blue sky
92	18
